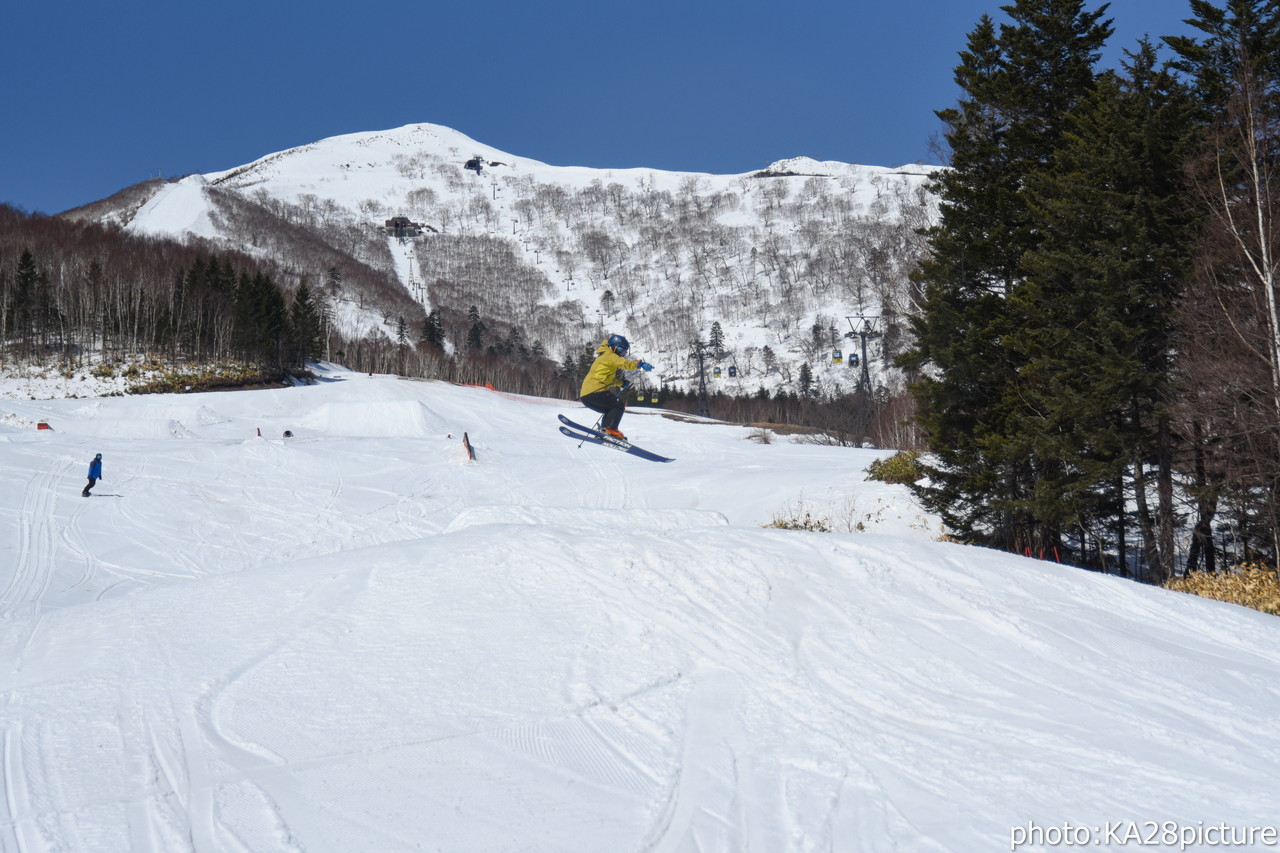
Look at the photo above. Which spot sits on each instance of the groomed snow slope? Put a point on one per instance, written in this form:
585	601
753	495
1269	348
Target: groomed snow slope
355	640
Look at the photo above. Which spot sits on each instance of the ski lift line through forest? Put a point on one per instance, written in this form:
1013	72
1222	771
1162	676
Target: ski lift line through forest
700	350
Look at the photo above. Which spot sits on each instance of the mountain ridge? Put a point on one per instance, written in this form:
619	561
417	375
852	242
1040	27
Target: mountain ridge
779	258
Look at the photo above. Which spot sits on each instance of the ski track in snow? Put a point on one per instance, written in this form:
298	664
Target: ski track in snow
31	576
17	806
358	640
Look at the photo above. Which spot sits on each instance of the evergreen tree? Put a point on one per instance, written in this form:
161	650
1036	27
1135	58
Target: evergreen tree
261	320
716	338
476	332
568	368
818	336
1093	324
402	344
218	286
1019	86
585	358
806	380
26	283
514	344
33	312
1241	36
433	329
304	326
333	280
274	323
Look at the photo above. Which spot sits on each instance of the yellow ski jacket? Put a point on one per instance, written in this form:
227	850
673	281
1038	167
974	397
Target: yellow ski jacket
603	372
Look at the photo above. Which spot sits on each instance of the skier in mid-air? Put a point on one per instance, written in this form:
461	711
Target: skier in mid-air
95	474
604	381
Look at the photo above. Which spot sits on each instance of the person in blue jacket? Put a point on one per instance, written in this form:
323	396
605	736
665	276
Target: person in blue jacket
95	474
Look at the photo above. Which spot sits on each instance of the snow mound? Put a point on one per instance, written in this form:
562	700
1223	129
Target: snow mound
12	421
128	428
377	419
159	421
206	416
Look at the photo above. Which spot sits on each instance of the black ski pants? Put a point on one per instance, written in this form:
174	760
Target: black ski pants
606	403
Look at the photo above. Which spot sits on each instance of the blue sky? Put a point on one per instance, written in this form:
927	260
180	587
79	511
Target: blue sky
101	95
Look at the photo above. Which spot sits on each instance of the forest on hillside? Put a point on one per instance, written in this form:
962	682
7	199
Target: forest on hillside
1097	354
77	296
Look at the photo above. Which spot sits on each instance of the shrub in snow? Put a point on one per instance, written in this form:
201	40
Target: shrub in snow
901	469
1248	585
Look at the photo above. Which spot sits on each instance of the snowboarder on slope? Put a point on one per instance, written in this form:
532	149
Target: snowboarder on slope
603	382
95	474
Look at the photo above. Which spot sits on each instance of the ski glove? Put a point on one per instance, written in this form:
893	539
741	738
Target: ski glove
646	366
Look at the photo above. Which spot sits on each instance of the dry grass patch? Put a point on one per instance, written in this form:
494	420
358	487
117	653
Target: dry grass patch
1253	586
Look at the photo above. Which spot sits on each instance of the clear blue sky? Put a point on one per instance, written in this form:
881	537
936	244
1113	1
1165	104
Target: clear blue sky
99	96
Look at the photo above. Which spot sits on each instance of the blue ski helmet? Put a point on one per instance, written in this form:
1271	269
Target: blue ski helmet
618	344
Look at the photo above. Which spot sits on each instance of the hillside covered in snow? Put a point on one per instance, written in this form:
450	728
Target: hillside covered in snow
790	261
356	639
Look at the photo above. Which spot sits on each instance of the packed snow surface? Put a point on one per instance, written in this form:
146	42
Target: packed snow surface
355	639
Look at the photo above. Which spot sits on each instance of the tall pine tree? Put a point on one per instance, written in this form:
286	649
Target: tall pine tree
433	329
304	326
1019	82
1095	317
476	332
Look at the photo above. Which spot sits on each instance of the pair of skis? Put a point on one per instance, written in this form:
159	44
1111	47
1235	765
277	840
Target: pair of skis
595	436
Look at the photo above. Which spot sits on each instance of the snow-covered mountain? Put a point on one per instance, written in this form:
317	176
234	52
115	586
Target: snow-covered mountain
356	640
565	253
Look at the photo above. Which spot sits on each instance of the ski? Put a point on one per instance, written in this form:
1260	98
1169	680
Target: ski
613	443
586	433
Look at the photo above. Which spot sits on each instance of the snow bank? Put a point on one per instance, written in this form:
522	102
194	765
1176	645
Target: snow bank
586	518
342	644
384	418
